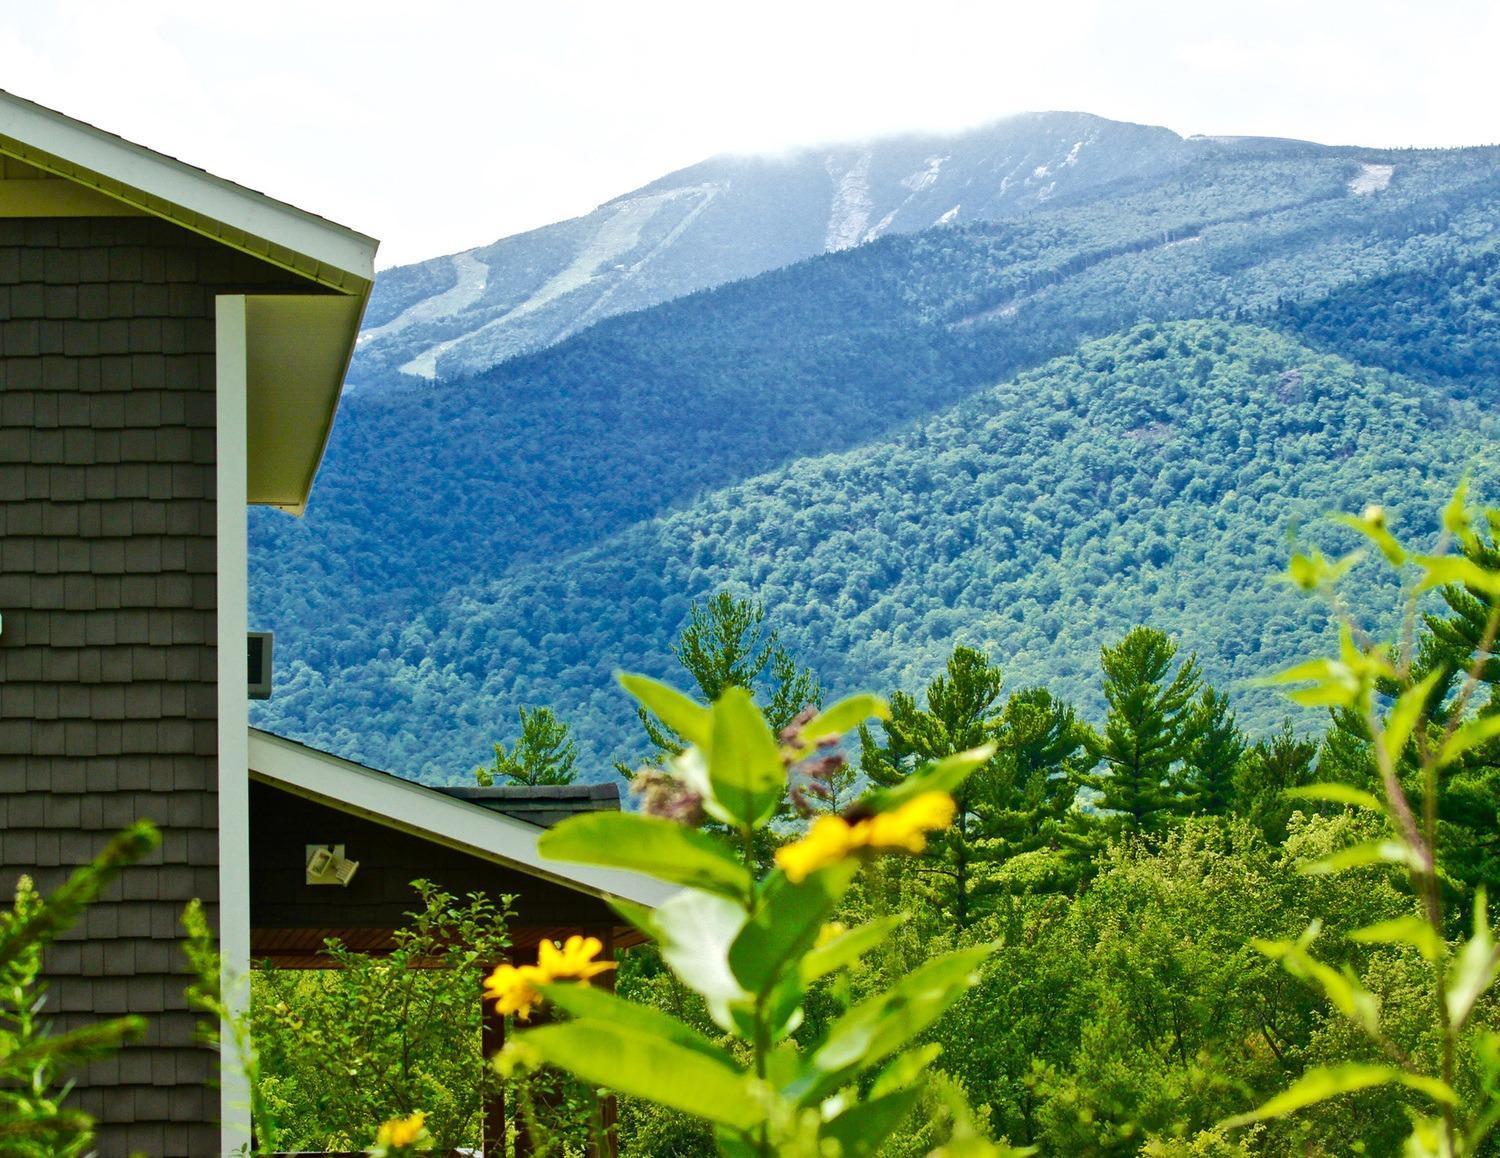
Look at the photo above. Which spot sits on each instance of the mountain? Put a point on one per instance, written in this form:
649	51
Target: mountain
730	218
423	597
1149	477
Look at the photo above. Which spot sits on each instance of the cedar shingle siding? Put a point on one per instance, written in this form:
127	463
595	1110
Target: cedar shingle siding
107	589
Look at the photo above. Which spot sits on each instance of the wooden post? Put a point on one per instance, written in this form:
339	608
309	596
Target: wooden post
492	1041
609	1110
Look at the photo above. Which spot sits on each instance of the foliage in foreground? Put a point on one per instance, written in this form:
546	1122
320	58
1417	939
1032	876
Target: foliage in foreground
374	1038
1425	721
751	945
36	1065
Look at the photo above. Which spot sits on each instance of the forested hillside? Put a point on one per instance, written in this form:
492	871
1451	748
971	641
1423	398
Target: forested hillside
1148	478
813	436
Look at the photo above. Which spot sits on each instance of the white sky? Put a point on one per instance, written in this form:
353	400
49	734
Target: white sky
438	125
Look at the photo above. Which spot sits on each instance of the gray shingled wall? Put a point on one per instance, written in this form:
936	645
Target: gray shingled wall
107	657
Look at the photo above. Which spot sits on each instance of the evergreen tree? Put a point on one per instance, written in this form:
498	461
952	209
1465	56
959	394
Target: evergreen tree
1214	760
726	644
961	713
1268	769
1043	748
544	753
1150	731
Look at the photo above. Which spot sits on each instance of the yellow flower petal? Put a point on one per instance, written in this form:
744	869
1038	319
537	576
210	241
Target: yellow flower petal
827	842
906	827
399	1133
513	989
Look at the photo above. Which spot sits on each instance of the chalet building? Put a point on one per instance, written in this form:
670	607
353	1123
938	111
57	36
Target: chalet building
172	349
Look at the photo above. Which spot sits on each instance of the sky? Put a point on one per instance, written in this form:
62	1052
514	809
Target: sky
437	126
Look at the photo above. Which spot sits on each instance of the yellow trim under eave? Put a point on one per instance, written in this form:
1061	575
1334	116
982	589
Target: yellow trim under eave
58	197
116	193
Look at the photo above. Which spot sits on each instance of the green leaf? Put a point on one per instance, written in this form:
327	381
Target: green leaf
1405	714
1337	794
786	924
844	717
694	931
1342	988
848	947
1446	570
1408	930
945	775
744	761
642	1064
1474	967
688	719
886	1022
1363	855
1318	1085
863	1127
1470	734
646	844
1375	530
905	1068
590	1001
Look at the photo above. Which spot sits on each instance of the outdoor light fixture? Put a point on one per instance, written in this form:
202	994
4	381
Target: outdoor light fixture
327	865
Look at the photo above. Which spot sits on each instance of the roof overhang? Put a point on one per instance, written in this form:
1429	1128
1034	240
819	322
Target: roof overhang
298	345
420	811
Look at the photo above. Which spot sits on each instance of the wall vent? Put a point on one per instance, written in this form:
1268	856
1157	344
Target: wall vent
260	665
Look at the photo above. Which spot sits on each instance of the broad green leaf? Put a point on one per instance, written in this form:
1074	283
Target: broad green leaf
848	947
642	1064
1408	930
590	1001
945	775
1363	855
1318	1085
886	1022
843	717
1468	735
1474	967
1404	716
786	924
688	719
694	931
863	1127
905	1068
744	760
646	844
1337	794
1446	570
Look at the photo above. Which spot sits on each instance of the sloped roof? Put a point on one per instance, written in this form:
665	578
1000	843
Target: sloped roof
434	814
297	344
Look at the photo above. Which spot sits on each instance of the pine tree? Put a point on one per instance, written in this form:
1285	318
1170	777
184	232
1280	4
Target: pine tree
726	644
961	713
1214	759
1042	750
544	753
1269	768
1149	731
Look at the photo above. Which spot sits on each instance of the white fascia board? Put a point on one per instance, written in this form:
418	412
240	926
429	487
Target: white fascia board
61	138
409	807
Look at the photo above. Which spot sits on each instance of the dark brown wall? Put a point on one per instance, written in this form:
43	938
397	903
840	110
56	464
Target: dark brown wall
379	896
107	589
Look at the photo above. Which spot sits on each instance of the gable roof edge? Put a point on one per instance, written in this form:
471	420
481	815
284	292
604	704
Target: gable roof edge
431	815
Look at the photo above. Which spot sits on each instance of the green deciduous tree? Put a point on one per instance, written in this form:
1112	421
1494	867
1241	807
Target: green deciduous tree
544	753
377	1036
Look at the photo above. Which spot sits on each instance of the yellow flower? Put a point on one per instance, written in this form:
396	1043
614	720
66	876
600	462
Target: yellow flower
832	838
399	1133
907	827
513	988
574	961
